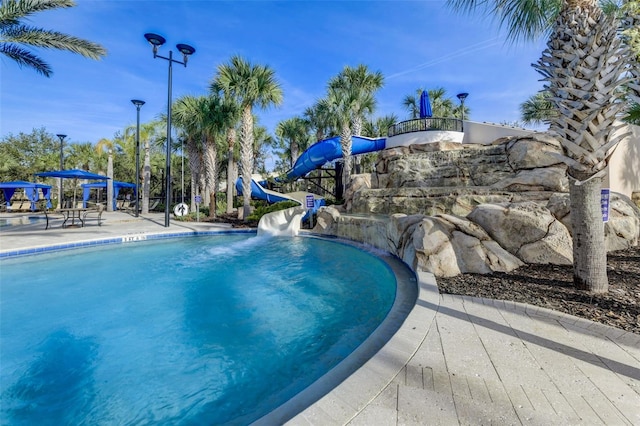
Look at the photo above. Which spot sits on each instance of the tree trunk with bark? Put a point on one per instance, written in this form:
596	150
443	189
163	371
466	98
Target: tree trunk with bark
345	143
231	168
211	168
246	160
589	249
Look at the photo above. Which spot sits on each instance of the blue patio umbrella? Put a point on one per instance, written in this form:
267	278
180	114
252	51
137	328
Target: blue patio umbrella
425	105
72	174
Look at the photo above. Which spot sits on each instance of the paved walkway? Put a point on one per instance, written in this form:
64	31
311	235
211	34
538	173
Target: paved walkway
455	360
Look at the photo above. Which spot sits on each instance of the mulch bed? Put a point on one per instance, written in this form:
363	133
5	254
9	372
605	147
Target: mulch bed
551	286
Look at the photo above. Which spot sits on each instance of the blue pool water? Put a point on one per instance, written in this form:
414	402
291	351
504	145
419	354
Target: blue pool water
22	220
204	330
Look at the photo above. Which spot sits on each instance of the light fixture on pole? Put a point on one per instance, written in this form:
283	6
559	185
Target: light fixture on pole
138	104
61	136
156	41
462	97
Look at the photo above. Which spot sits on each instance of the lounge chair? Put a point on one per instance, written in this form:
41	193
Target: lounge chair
14	206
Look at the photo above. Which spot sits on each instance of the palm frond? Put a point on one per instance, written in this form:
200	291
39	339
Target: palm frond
53	40
25	58
11	11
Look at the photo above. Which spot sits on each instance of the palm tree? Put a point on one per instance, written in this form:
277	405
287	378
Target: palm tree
364	84
538	109
148	132
184	110
262	140
379	127
319	119
294	132
339	106
108	145
441	105
248	85
375	129
206	118
14	34
231	137
584	66
358	85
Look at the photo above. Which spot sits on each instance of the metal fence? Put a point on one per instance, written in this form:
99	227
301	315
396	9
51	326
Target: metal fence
425	124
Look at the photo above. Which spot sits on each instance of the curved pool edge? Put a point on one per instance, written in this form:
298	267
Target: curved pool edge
114	239
350	397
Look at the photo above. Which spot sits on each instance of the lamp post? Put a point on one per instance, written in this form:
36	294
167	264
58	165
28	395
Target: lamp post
61	136
462	97
138	104
156	41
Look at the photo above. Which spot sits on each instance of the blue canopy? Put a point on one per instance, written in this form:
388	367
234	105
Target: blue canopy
72	174
30	189
425	105
116	189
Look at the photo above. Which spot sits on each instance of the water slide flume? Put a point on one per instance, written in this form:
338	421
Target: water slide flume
327	150
281	223
287	222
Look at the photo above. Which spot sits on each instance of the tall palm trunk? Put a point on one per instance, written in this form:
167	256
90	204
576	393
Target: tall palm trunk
109	182
589	250
584	66
246	159
345	143
195	167
357	131
211	168
146	178
295	152
231	168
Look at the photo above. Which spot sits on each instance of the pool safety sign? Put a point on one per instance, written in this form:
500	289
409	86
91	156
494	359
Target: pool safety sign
309	200
181	210
604	204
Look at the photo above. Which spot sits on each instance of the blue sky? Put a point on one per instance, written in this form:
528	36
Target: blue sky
413	43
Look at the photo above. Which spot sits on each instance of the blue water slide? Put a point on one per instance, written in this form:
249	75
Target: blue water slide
328	150
315	156
262	193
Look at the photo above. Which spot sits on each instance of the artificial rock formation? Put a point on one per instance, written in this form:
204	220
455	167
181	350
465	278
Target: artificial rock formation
450	208
444	177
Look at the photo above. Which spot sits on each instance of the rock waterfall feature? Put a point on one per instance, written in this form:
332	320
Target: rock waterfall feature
448	208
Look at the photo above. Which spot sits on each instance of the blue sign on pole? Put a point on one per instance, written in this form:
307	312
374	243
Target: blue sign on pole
310	203
198	199
604	204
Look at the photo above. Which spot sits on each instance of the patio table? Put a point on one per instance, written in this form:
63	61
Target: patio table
73	214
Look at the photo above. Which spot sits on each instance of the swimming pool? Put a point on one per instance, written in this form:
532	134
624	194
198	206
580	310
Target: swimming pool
21	220
196	330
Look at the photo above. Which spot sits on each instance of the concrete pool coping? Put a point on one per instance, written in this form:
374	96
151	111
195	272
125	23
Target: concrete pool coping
455	359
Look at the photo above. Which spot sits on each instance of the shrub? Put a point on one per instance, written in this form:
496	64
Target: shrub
262	208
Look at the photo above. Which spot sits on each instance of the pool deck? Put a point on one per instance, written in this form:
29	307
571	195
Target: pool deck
455	359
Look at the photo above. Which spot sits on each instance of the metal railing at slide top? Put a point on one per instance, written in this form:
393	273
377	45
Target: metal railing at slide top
425	124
